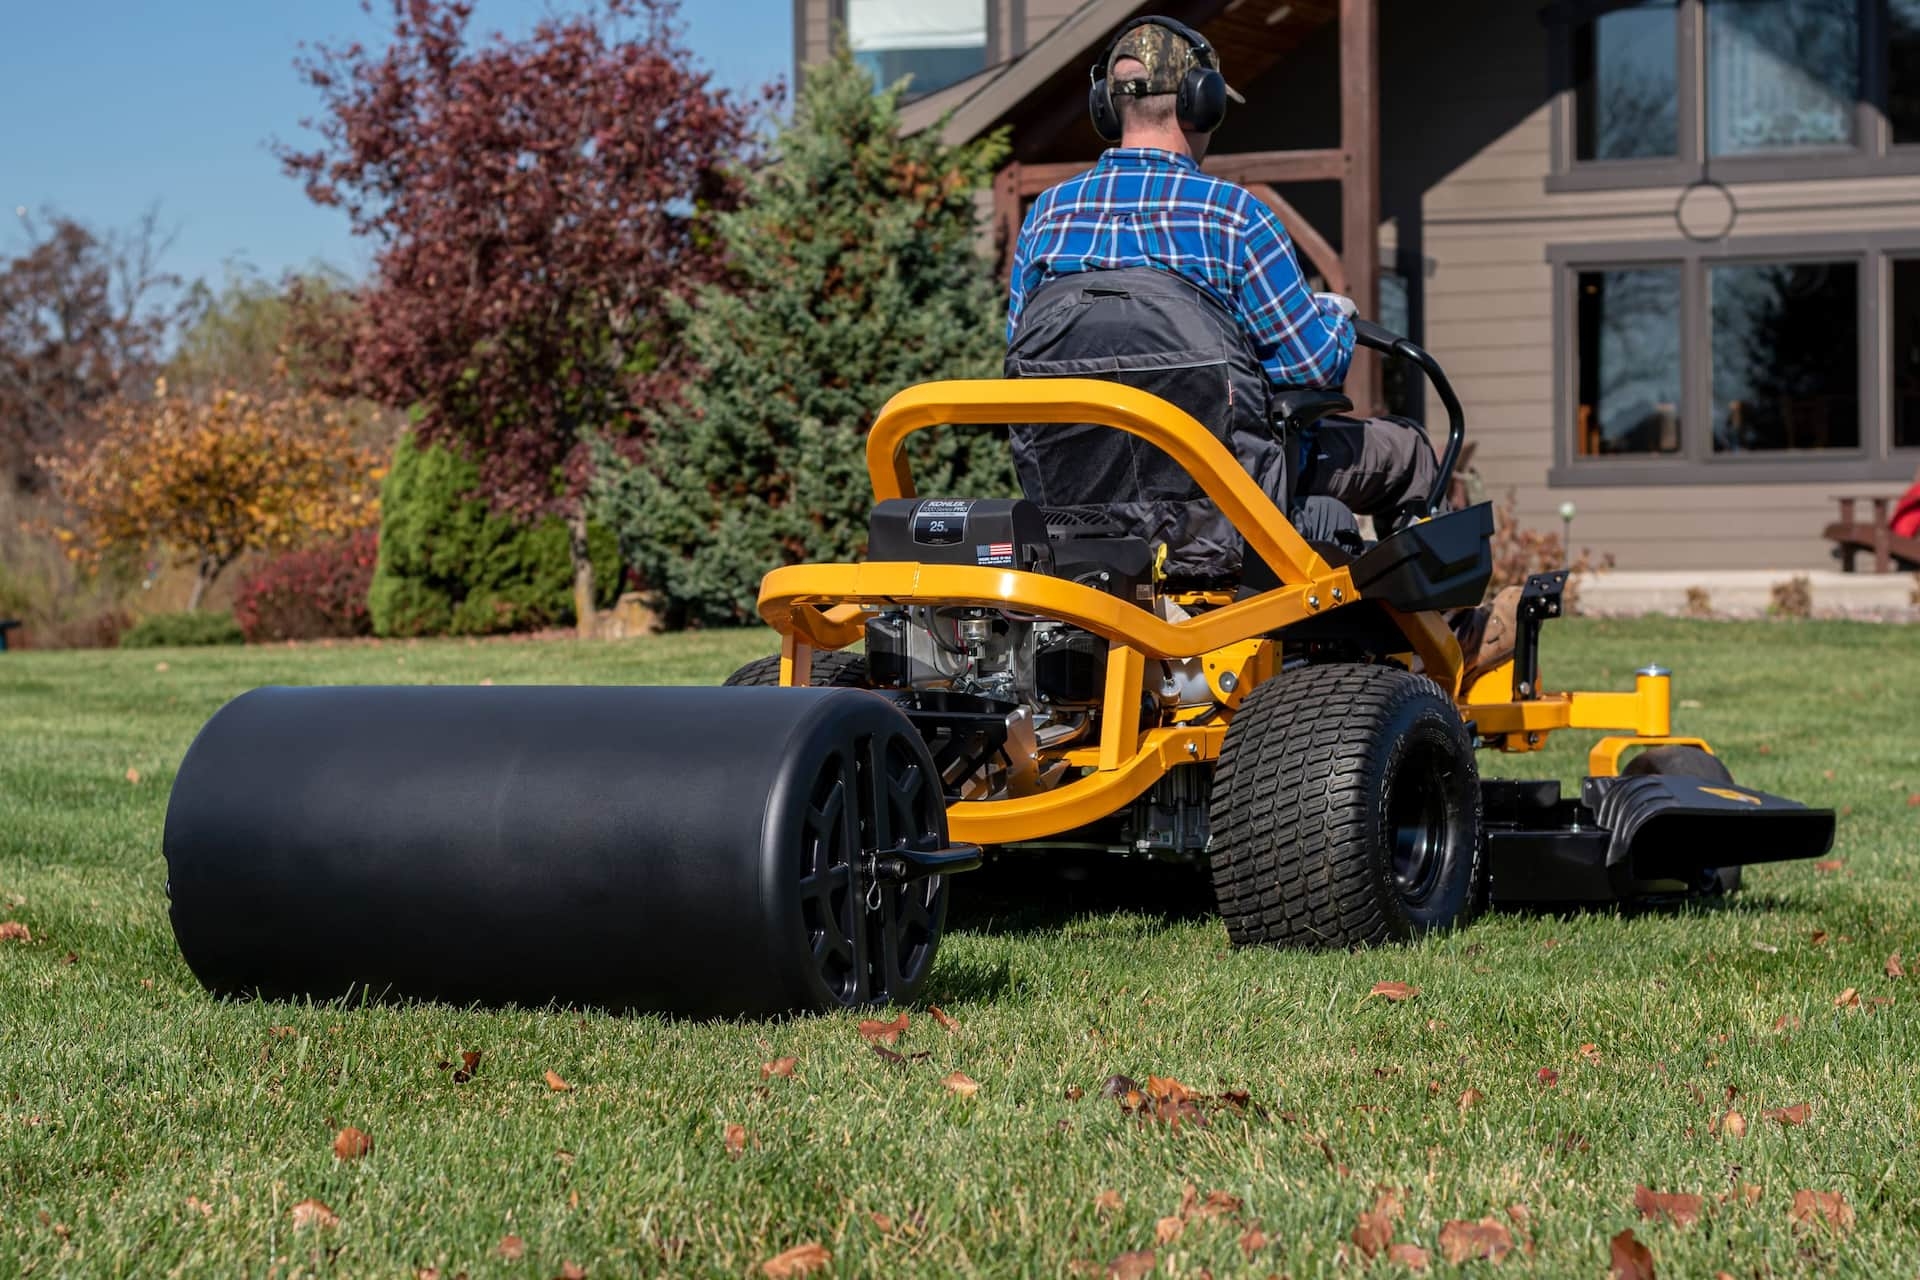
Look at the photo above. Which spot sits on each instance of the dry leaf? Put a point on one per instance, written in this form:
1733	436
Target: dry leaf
1075	1093
1818	937
1471	1098
161	666
1848	999
1168	1088
1252	1240
939	1015
1107	1202
1131	1266
1828	865
883	1032
1591	1053
778	1067
889	1056
469	1064
1374	1231
1487	1238
314	1213
1798	1113
350	1144
736	1139
1731	1125
1786	1022
555	1083
882	1221
512	1248
1218	1204
1811	1208
1394	991
1410	1256
1548	1076
1631	1259
1118	1086
1679	1206
571	1271
14	931
133	775
801	1260
961	1084
1167	1230
1894	968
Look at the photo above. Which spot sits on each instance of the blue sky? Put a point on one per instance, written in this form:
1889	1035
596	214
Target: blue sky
107	106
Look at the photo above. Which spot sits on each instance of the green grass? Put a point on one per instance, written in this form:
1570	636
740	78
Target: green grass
147	1129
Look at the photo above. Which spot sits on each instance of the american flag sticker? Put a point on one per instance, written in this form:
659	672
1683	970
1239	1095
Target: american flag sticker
997	549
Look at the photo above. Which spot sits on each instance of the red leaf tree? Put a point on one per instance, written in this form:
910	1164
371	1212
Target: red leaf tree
534	201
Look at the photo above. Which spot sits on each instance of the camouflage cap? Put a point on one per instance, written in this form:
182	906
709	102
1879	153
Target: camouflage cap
1167	57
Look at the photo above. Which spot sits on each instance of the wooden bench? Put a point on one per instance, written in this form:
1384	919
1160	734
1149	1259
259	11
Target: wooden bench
6	625
1850	537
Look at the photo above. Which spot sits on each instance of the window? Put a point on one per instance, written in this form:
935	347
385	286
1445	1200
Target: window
1905	389
934	43
1781	74
1626	97
1628	361
1786	356
1903	70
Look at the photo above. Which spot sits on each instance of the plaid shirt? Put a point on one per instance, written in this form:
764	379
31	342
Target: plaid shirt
1146	208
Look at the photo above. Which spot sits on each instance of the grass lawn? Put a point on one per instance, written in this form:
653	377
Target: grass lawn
147	1129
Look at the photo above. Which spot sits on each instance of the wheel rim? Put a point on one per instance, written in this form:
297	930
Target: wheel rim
1417	820
869	941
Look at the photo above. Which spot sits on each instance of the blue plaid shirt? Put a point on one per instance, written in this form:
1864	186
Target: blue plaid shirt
1147	208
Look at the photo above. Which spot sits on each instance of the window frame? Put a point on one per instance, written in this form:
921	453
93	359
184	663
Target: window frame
1874	459
1006	34
1871	153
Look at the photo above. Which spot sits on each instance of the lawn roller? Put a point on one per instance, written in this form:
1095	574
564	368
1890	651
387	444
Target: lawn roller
994	676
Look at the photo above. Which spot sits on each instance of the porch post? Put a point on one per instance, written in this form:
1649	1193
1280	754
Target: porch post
1360	190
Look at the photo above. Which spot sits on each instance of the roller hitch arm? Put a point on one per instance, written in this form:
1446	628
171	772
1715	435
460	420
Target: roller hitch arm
901	864
1539	600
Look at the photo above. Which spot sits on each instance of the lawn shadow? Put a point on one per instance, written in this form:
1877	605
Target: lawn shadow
1017	894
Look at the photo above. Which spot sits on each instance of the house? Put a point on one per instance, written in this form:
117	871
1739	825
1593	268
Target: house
1668	250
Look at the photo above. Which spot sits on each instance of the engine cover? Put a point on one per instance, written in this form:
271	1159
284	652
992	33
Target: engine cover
1003	533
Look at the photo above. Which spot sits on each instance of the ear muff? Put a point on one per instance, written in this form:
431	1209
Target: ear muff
1200	104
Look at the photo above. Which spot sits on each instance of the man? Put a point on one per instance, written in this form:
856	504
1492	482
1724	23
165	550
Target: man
1146	271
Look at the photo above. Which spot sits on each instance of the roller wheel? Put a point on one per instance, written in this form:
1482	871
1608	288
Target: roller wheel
1346	811
830	671
1690	762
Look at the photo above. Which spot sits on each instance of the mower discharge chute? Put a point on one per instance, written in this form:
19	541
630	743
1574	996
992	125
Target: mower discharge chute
995	675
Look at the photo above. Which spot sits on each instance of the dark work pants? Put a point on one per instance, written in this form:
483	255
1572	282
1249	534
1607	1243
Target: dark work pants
1348	467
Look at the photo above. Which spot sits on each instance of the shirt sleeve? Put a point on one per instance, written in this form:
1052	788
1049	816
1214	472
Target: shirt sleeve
1017	282
1301	341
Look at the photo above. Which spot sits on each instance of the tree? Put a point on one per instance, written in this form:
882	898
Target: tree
209	480
535	202
261	337
83	318
857	273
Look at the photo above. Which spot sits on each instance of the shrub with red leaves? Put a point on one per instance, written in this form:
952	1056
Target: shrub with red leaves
311	594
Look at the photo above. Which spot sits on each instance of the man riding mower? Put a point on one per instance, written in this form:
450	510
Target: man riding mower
1143	655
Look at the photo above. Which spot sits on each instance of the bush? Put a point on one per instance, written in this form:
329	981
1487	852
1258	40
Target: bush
1520	552
312	594
449	564
169	630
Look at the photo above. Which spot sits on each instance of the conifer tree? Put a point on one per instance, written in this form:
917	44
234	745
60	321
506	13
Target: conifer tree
856	271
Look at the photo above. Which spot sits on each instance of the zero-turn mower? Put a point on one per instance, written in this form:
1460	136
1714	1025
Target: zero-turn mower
992	677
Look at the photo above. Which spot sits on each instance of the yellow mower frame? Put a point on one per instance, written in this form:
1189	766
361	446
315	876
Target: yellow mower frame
822	606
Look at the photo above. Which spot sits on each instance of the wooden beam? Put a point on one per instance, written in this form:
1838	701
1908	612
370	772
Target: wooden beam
1243	167
1006	216
1309	240
1360	189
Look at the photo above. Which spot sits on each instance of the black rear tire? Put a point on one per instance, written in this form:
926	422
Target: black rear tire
835	670
1346	811
1690	762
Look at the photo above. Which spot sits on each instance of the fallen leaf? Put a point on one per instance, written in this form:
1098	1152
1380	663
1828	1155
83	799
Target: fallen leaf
1471	1098
133	775
571	1271
1075	1093
1786	1022
1410	1256
72	957
1374	1231
736	1139
1818	937
1590	1052
882	1221
469	1064
939	1015
1679	1206
782	1067
350	1144
1767	947
1848	999
1548	1076
1811	1208
1167	1230
161	666
14	931
1394	991
801	1260
1894	968
1118	1086
1107	1202
961	1084
888	1055
1159	1087
1218	1204
1829	865
1795	1114
1252	1240
1731	1125
314	1213
1131	1266
512	1248
200	1206
1913	799
1631	1259
555	1083
1488	1238
872	1030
